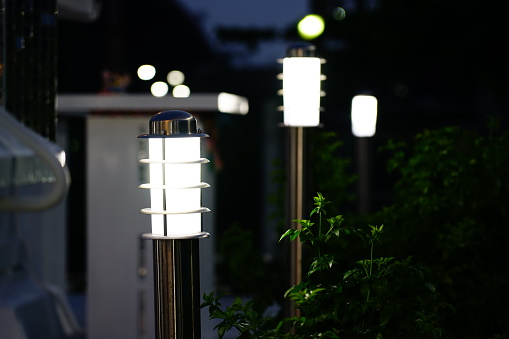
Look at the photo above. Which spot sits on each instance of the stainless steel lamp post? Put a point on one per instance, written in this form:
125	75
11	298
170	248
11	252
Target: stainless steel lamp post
175	198
301	104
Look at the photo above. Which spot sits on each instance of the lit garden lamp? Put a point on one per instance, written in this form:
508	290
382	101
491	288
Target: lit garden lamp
175	197
301	105
301	86
364	114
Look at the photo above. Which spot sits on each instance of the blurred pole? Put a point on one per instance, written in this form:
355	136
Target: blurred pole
296	136
363	170
177	288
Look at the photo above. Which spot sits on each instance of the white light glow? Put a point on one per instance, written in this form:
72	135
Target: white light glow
155	150
61	157
146	72
159	89
183	223
364	115
231	103
175	78
181	91
301	91
182	175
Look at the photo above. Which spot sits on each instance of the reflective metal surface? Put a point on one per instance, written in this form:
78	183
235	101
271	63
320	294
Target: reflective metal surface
173	124
177	289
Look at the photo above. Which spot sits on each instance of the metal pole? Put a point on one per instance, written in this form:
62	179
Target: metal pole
295	209
177	288
363	170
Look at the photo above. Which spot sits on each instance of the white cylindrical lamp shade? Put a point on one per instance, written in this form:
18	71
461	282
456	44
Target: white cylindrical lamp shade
175	181
301	91
364	115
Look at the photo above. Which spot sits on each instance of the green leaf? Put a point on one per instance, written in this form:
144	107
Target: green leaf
295	235
288	232
221	331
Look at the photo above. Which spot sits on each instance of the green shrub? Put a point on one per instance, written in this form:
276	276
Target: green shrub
368	298
451	211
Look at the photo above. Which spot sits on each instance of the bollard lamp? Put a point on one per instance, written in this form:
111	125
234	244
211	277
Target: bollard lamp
364	115
175	175
301	105
301	86
175	209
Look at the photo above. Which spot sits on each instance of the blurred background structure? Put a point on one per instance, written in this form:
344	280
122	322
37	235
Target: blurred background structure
429	64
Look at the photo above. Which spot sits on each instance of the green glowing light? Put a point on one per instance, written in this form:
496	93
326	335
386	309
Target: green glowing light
311	27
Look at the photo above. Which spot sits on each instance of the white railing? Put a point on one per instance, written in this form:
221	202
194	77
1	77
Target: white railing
27	158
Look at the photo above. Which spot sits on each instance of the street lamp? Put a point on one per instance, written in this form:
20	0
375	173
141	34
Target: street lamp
364	115
175	208
301	104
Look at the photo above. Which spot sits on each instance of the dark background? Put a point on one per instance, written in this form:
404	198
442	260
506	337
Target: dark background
429	63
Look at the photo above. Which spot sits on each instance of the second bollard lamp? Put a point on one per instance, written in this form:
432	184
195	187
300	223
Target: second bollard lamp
175	209
302	86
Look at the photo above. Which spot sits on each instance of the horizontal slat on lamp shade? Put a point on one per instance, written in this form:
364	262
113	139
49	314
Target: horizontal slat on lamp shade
151	186
152	161
163	212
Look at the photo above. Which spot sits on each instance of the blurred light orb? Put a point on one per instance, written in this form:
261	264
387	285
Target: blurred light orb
338	13
311	27
146	72
159	89
181	91
175	78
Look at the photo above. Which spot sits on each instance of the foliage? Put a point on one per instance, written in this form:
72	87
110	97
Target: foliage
239	315
451	210
368	298
329	171
244	269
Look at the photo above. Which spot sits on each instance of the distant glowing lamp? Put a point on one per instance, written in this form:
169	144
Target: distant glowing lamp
181	91
159	89
146	72
175	175
301	86
311	27
175	78
364	114
231	103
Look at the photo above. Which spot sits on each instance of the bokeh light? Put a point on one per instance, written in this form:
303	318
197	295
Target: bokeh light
338	13
175	78
146	72
159	89
181	91
311	27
